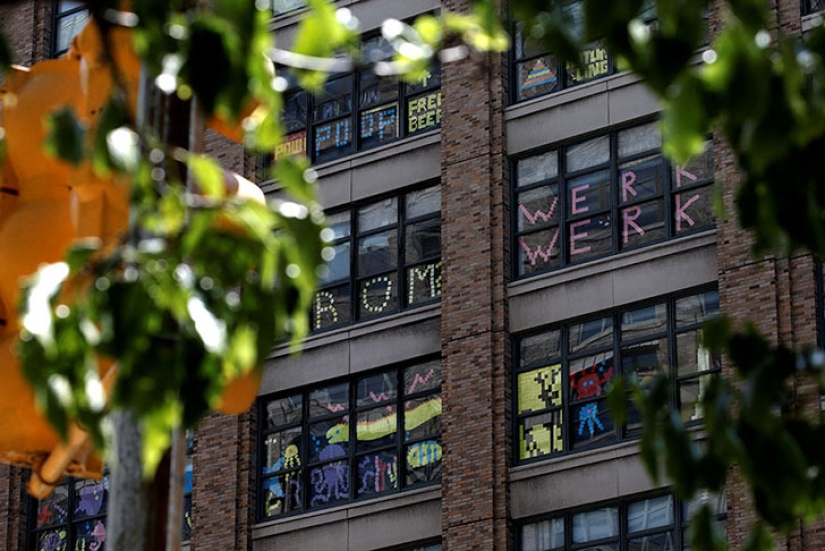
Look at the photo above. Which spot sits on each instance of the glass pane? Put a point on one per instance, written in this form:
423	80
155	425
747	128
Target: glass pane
537	77
282	451
541	435
425	201
596	65
546	535
90	535
424	112
589	193
188	524
590	376
524	44
643	223
378	125
378	295
331	307
283	411
295	111
541	347
68	27
378	252
336	99
538	207
596	525
376	389
717	503
590	238
430	80
692	358
591	423
539	251
294	144
329	439
656	542
425	376
540	389
698	169
697	308
376	428
640	139
332	139
375	90
331	399
377	215
422	417
339	223
336	269
377	473
641	178
642	361
650	513
282	494
90	497
693	210
423	462
329	483
423	283
423	240
591	333
587	154
284	6
53	540
538	168
647	320
55	508
690	394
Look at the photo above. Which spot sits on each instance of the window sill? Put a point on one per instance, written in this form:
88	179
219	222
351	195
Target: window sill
353	510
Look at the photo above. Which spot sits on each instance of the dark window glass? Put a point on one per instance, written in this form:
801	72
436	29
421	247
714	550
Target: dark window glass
73	516
563	374
617	192
394	442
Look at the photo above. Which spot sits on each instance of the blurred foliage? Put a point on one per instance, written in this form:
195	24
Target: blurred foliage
762	92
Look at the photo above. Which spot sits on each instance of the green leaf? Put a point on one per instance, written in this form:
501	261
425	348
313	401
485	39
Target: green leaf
66	136
208	174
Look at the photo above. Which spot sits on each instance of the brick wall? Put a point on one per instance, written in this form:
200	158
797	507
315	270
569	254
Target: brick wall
778	294
475	425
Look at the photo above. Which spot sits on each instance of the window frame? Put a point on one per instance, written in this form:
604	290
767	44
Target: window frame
672	188
57	16
401	444
399	274
616	352
403	97
677	527
71	523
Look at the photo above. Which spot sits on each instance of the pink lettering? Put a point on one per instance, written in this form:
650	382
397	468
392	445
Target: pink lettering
539	252
680	211
576	199
682	172
539	213
575	236
628	179
630	215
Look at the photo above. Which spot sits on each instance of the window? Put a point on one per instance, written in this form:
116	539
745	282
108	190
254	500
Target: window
187	487
654	523
280	7
605	195
311	458
387	257
812	6
68	19
537	72
73	517
435	546
357	111
563	373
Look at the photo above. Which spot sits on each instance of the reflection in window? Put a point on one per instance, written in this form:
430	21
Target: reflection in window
68	19
603	196
73	517
391	261
564	373
376	434
658	523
